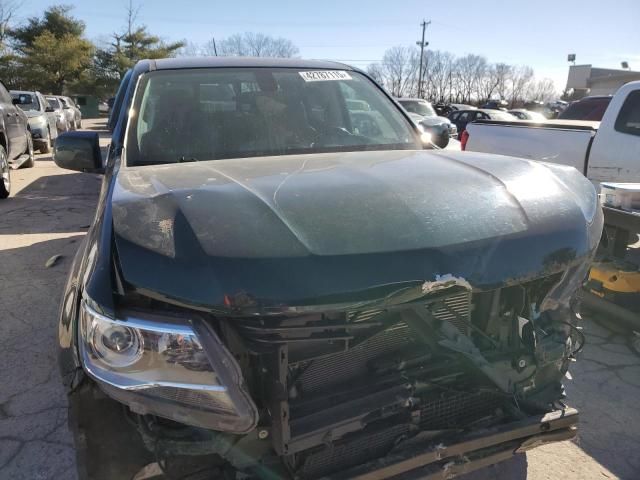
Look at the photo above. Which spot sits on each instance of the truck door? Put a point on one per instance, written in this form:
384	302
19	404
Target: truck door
615	153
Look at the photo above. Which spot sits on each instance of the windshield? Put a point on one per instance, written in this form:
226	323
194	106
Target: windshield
421	108
54	103
27	101
219	113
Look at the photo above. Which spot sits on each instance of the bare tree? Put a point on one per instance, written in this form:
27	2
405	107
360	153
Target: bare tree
132	16
502	73
467	79
257	45
520	79
398	71
469	70
542	90
440	76
8	9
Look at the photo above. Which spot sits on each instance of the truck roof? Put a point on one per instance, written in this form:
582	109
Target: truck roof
221	62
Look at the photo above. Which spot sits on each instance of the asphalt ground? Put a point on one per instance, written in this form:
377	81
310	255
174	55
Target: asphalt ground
49	211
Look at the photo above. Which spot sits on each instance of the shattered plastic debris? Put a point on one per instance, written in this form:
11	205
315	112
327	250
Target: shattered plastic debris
444	281
52	261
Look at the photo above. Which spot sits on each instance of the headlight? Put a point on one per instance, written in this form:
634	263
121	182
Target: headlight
38	121
167	366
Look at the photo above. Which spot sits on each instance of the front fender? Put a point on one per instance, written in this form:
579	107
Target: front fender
91	273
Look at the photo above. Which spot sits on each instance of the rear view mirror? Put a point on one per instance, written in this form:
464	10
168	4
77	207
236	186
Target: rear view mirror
79	151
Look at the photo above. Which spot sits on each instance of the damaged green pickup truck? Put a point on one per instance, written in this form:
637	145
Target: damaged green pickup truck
282	281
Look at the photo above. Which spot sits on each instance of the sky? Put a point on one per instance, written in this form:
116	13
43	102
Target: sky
538	33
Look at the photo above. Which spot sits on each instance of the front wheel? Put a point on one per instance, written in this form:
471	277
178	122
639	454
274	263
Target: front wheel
5	174
46	148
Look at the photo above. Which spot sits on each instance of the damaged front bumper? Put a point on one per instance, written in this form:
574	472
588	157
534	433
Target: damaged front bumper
472	452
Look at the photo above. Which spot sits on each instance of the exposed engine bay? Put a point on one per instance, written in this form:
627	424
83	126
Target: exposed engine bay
337	389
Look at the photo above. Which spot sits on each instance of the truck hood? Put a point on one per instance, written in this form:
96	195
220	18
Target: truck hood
289	228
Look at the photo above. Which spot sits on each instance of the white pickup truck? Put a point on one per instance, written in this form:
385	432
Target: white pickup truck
604	151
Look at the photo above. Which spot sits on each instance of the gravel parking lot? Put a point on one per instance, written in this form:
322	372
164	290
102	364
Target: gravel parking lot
48	213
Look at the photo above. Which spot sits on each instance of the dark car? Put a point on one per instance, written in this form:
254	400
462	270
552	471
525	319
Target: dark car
587	108
462	117
15	140
276	287
440	128
42	118
495	105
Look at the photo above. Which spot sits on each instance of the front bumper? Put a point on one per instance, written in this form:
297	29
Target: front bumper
94	417
471	452
39	133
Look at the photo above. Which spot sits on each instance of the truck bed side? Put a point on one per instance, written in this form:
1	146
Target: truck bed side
562	142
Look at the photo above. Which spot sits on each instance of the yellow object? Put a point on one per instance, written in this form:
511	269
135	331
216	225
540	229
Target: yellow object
615	277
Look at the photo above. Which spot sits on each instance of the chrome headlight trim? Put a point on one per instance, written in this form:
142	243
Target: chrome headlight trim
185	373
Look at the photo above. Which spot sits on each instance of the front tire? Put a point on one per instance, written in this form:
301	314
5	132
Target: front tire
5	174
46	148
31	162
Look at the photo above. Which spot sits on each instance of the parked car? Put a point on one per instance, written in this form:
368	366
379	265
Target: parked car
495	105
74	115
461	106
463	117
587	108
58	109
15	140
605	151
272	292
524	114
440	128
42	118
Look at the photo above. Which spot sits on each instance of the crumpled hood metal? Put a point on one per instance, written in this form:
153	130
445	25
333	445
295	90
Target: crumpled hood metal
289	228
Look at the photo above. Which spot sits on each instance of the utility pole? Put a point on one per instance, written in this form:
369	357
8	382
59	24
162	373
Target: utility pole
215	50
422	44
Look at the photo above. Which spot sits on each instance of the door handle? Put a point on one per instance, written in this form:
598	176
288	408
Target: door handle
9	114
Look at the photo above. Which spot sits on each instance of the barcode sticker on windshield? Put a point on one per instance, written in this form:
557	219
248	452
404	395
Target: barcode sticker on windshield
324	75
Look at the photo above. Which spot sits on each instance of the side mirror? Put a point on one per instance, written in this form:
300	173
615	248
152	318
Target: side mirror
15	101
49	109
79	151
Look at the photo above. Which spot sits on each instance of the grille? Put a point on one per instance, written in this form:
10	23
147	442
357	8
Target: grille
353	362
458	409
442	411
455	309
363	447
